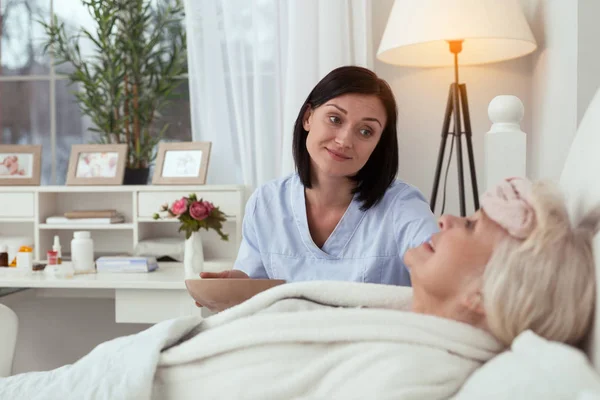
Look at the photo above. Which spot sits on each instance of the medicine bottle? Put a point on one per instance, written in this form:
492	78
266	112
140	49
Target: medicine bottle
82	251
3	256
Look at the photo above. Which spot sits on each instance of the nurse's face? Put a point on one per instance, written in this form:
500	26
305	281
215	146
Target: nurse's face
456	256
343	132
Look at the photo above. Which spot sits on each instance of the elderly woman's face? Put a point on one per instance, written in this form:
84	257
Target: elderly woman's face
343	132
443	266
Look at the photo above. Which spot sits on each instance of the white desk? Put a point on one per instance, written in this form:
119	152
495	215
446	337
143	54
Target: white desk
139	297
169	275
63	319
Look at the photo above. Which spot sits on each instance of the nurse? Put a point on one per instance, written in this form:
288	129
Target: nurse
343	215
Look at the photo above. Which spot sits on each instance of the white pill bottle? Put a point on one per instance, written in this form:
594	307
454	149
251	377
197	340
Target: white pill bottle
82	252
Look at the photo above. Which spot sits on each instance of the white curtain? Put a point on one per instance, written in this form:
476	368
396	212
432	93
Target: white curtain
251	65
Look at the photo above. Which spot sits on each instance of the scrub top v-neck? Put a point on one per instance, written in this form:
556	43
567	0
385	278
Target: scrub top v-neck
365	246
341	235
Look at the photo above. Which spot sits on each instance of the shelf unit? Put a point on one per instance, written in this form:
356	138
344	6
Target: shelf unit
24	210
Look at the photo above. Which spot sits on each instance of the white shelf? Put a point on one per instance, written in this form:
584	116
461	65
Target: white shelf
86	226
167	220
17	220
24	210
127	188
150	219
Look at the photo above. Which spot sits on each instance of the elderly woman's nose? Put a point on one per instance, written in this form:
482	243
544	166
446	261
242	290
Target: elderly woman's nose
447	221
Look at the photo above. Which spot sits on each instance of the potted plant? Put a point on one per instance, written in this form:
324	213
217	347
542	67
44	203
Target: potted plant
139	54
194	214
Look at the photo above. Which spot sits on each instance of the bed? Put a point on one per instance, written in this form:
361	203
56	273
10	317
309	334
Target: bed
580	181
533	368
549	370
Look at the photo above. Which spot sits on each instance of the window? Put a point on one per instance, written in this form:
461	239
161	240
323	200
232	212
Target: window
37	104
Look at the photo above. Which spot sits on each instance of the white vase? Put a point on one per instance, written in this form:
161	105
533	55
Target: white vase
193	257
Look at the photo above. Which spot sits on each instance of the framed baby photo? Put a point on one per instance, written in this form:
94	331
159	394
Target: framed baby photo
20	164
97	164
181	163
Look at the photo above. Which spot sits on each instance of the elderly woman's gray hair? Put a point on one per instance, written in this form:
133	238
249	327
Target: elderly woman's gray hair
545	283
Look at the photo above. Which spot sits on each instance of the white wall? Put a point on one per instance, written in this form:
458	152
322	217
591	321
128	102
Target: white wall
554	85
565	77
421	94
588	53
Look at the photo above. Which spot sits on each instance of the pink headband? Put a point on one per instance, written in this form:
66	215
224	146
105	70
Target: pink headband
509	205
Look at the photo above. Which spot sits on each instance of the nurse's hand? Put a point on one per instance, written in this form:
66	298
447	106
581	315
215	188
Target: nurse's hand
231	274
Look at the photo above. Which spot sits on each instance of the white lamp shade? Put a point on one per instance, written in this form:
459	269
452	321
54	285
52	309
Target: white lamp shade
418	31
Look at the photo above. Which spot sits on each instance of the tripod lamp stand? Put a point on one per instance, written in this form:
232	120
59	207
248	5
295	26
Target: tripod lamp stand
433	33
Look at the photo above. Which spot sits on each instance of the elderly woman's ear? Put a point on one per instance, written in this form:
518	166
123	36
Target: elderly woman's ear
473	302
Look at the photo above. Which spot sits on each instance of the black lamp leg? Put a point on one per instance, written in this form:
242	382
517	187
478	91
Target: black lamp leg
459	157
468	134
440	159
465	117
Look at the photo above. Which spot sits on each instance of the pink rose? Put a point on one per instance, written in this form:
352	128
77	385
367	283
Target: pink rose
179	206
209	206
199	211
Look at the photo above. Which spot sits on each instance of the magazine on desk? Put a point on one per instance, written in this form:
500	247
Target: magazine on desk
126	264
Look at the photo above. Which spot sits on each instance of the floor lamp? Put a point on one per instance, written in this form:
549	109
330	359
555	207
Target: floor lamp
434	33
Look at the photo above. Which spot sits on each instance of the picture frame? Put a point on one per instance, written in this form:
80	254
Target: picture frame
181	163
20	164
97	164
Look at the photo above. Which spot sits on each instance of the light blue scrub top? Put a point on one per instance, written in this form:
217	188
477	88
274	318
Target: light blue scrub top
364	247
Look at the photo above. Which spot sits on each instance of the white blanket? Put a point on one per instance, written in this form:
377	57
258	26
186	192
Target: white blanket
291	342
122	368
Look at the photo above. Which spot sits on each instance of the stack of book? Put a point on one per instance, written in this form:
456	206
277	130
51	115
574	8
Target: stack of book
88	217
126	264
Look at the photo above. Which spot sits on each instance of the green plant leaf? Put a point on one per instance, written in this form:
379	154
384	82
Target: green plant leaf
131	39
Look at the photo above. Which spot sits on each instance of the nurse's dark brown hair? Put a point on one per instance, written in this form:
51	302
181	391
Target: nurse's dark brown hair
379	172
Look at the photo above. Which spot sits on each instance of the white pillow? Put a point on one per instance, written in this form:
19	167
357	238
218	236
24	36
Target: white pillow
534	368
588	395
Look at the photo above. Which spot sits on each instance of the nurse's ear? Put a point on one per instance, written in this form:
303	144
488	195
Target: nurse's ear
307	118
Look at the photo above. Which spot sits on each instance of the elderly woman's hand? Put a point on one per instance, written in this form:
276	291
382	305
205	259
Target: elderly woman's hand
230	274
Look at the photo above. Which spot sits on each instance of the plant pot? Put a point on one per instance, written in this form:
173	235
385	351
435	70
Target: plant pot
136	176
193	256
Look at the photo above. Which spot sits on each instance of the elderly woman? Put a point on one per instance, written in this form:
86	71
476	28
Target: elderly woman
517	265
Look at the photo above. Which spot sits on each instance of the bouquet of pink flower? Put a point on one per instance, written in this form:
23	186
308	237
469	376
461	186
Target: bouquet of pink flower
194	215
